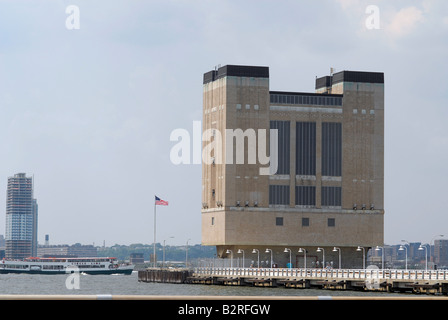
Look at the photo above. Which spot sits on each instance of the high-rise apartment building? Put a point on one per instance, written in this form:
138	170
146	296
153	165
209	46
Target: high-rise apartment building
441	253
326	188
21	218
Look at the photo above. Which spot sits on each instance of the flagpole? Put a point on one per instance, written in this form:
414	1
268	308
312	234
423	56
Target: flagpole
154	255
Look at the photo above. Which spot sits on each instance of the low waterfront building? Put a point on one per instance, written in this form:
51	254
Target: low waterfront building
73	251
136	258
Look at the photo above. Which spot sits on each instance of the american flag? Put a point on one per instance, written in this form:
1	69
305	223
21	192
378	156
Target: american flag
160	202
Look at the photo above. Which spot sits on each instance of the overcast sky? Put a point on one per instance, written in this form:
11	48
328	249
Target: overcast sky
89	111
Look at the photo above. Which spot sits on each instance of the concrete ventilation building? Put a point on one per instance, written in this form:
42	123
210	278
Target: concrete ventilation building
327	190
21	218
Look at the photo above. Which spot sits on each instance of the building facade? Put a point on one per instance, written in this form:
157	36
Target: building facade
324	189
74	251
441	253
21	218
136	258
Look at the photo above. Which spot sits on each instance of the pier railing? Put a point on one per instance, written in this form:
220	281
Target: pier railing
398	274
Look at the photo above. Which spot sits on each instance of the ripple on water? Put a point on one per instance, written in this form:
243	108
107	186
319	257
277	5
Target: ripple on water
129	285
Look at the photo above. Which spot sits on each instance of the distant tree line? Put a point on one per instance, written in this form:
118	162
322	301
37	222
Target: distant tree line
172	253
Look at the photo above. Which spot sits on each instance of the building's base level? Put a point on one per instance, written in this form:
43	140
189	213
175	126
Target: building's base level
297	256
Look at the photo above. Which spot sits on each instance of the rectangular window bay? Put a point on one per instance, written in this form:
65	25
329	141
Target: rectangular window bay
331	196
278	195
331	149
284	148
306	196
306	148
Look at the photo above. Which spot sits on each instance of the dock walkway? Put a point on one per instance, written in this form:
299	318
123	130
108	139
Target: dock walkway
390	280
387	280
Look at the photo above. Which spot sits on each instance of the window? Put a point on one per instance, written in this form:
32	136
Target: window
331	222
305	196
213	221
299	99
331	196
278	195
306	148
305	222
331	149
283	144
279	221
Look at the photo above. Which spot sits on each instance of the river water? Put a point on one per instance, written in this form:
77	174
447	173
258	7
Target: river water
27	284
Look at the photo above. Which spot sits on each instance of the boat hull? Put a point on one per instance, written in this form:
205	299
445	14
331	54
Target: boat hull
49	272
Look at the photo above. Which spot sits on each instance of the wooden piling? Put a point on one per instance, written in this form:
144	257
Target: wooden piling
164	275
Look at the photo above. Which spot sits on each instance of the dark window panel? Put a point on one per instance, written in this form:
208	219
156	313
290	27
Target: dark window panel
284	137
279	221
331	196
306	148
305	195
305	222
331	149
278	195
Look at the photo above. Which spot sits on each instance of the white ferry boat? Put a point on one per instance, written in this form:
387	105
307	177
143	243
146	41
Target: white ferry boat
34	265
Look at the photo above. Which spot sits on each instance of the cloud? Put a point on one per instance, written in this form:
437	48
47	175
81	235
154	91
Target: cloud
404	22
91	110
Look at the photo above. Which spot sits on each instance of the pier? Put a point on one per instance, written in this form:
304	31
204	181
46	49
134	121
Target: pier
388	280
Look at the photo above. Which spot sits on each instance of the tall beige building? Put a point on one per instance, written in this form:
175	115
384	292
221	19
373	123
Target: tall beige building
328	187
